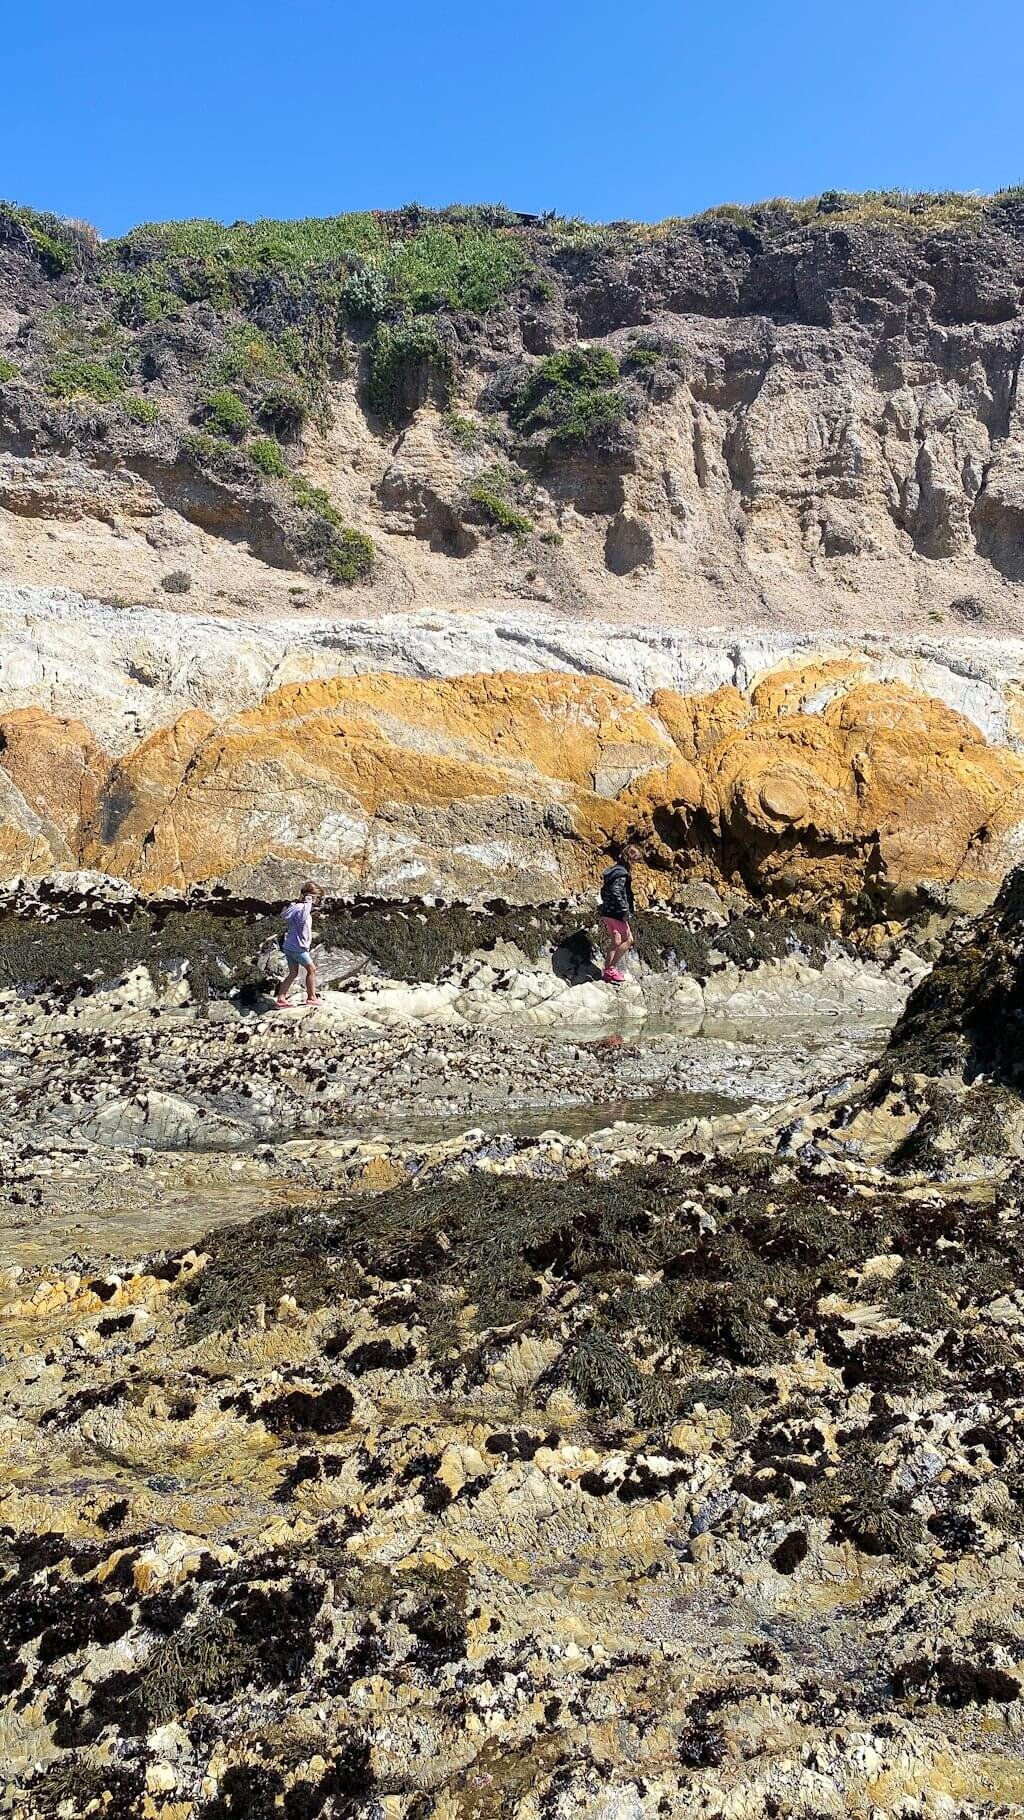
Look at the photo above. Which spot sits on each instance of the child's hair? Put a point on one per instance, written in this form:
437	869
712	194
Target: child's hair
309	889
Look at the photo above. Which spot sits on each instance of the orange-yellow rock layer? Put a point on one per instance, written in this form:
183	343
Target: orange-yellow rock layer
815	778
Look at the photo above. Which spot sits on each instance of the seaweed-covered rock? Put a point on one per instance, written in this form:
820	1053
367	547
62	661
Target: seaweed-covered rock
720	1448
967	1017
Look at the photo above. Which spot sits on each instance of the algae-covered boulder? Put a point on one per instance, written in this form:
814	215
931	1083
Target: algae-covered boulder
967	1017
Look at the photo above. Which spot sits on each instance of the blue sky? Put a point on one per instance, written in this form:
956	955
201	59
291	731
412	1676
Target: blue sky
126	112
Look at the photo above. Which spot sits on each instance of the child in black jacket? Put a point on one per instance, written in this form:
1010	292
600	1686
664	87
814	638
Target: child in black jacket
617	912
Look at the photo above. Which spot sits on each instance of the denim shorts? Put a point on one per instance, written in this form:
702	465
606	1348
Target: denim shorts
297	957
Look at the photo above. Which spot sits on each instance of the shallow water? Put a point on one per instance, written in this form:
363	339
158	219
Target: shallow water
663	1109
165	1219
92	1214
177	1214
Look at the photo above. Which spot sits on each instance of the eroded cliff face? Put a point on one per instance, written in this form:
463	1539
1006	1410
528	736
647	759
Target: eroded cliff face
502	443
799	414
823	771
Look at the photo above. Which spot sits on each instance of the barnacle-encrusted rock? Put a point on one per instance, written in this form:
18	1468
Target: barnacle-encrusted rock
516	1495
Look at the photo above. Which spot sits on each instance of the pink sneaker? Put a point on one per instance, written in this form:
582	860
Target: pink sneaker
613	977
281	1003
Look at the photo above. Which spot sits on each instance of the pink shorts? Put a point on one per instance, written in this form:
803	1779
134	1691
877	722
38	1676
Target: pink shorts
617	929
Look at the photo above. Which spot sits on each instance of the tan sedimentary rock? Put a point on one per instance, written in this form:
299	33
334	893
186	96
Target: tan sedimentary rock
883	783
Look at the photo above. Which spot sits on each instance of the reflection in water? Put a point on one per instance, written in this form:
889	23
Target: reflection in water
173	1215
570	1121
88	1219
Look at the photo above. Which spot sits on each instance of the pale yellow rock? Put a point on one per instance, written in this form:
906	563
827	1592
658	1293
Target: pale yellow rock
562	1409
698	1436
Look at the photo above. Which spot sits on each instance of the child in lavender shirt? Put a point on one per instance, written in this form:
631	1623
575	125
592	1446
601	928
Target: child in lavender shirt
298	935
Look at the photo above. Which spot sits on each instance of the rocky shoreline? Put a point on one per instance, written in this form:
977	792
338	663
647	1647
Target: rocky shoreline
495	1395
637	1490
134	1032
651	1469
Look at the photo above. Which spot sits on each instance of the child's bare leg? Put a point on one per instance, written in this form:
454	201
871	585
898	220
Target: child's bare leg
620	949
311	985
288	982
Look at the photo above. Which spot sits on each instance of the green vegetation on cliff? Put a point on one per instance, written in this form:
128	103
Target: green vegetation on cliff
325	541
70	377
227	414
489	494
571	396
224	347
408	361
364	265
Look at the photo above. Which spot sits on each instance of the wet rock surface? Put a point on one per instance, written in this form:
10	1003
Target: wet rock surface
133	1032
945	1099
637	1491
643	1471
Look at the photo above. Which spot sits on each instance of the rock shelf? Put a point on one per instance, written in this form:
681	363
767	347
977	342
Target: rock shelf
642	1472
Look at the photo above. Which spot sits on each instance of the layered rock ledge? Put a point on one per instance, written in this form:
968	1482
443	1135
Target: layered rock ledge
472	759
793	413
137	1028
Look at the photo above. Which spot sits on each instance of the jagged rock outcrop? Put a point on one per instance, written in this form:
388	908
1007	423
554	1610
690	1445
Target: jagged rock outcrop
967	1018
944	1103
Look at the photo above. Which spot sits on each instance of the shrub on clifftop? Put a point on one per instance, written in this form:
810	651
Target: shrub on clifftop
365	295
140	410
227	414
463	271
71	376
57	245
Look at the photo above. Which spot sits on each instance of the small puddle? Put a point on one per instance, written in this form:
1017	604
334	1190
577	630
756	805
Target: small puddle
569	1121
178	1214
166	1220
93	1220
